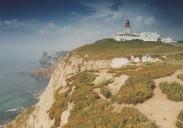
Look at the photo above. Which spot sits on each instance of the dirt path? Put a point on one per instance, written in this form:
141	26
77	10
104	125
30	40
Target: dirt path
117	84
159	109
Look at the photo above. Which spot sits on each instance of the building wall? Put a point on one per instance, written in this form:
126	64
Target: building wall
145	36
127	30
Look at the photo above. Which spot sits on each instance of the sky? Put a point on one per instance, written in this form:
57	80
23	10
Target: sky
55	25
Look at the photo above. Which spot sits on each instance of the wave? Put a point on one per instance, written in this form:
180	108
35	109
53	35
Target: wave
8	115
17	109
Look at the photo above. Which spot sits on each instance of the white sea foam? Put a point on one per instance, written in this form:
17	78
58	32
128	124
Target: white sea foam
17	109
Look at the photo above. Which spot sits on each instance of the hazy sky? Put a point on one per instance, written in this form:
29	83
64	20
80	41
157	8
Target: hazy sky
49	25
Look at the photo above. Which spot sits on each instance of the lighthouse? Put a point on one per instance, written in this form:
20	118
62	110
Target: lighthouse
127	27
127	35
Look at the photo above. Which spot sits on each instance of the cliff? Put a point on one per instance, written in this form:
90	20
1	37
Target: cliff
107	68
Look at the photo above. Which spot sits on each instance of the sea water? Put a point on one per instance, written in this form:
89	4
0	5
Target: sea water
17	87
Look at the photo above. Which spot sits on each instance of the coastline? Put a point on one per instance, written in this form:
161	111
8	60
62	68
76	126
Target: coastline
13	113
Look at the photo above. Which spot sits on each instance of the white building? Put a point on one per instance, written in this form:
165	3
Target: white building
145	36
149	36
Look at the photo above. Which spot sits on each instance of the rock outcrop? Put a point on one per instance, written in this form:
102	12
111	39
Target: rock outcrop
42	73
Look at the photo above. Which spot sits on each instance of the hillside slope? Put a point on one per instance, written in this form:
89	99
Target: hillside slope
111	84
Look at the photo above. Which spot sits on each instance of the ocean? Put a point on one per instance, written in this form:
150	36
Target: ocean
17	87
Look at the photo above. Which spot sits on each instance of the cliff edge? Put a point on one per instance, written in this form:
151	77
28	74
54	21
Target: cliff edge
109	84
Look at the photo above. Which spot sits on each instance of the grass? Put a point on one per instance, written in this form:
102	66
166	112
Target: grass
81	97
180	76
177	57
104	88
137	89
173	91
90	111
59	105
111	48
154	71
180	116
106	92
100	115
83	77
179	122
20	121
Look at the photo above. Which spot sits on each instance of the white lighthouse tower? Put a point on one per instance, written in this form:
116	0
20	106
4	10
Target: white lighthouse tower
127	27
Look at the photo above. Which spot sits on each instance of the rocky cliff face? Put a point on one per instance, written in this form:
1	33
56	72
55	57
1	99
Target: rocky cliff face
70	65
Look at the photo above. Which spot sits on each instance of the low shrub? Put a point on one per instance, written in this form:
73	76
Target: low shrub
179	122
82	82
176	57
180	116
90	111
100	115
83	77
154	71
180	77
105	83
124	49
137	89
173	91
20	121
104	88
83	95
106	92
59	105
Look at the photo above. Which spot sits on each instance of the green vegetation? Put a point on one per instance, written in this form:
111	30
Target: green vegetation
137	89
82	96
83	77
154	71
173	91
106	92
180	116
60	105
90	111
176	57
111	48
100	114
180	77
104	89
179	122
61	99
105	83
20	121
